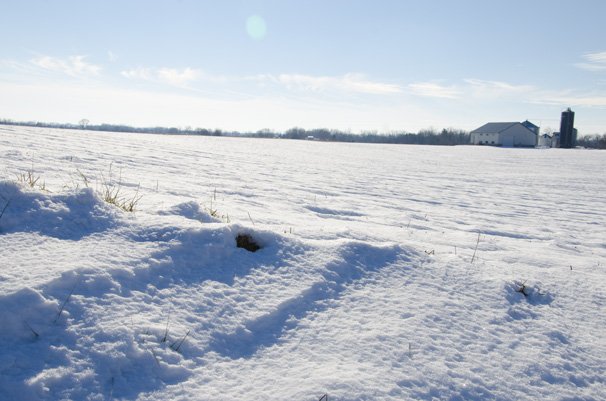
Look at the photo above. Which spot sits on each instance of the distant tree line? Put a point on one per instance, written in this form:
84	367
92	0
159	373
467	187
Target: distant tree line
84	124
448	136
592	141
424	137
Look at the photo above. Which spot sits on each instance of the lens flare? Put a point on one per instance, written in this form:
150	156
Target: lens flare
256	27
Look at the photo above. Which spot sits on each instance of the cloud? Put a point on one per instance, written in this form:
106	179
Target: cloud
470	88
431	89
347	83
570	99
15	65
144	74
490	92
171	76
177	77
112	56
593	62
496	89
73	66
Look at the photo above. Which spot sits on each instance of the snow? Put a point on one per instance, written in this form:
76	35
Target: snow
371	281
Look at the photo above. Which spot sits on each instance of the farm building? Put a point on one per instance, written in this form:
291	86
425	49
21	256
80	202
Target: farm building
546	141
506	134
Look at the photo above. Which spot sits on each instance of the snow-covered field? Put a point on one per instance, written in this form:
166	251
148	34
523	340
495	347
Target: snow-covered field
366	286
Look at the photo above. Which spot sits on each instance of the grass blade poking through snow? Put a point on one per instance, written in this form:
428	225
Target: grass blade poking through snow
166	331
177	344
65	302
475	250
34	332
8	202
251	220
111	193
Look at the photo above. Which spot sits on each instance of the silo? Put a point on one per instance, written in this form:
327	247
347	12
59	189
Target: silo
567	137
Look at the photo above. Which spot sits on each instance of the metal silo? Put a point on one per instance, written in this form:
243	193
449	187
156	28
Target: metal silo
567	137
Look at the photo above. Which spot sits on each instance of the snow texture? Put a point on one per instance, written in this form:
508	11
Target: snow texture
384	273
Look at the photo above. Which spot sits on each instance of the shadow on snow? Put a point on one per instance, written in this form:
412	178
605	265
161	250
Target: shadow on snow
355	261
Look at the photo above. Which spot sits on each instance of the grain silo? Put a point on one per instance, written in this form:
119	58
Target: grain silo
567	134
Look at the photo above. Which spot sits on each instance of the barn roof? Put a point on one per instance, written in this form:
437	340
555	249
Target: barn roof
528	124
493	128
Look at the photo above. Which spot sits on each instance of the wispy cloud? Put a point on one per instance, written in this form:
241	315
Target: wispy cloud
16	65
469	88
593	62
495	89
347	83
74	66
145	74
568	98
171	76
296	82
477	90
177	77
113	57
432	89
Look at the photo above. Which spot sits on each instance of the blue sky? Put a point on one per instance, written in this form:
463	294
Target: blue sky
351	65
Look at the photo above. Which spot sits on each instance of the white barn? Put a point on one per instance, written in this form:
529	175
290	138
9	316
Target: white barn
506	134
545	141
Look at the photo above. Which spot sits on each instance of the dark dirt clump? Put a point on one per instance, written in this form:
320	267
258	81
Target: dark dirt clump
247	242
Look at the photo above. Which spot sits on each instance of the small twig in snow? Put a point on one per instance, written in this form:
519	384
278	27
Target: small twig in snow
8	202
30	327
65	302
522	289
475	250
179	343
155	356
83	177
166	331
111	392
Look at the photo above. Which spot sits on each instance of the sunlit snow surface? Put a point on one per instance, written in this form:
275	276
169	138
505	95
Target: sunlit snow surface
365	288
